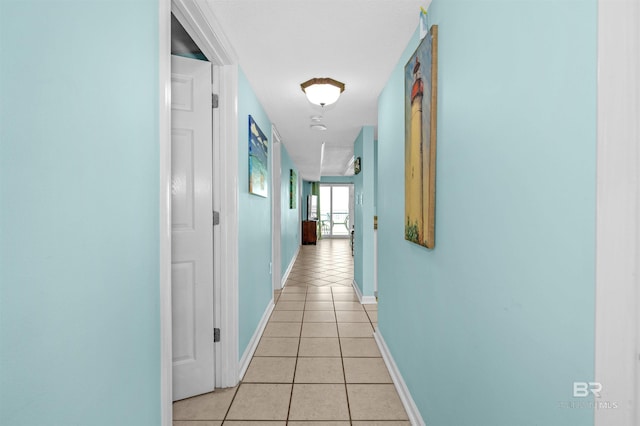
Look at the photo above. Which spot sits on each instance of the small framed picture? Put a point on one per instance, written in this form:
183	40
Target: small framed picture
357	166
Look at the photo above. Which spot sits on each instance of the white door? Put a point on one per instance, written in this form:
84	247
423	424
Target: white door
192	227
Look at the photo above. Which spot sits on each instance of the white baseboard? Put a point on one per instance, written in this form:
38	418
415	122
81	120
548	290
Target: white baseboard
364	300
368	300
357	289
288	271
409	405
253	343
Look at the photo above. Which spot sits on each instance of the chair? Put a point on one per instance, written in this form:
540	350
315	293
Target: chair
325	224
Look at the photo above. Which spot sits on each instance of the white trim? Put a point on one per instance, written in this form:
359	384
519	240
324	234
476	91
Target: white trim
415	418
617	212
300	201
364	300
375	262
368	300
164	140
289	268
357	289
226	178
276	209
199	22
255	339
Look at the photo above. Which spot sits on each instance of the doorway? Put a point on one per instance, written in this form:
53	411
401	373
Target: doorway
193	17
336	210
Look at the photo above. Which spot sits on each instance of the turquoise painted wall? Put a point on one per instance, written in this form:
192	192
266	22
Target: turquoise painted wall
364	188
79	213
375	177
336	179
254	222
289	225
494	325
198	56
306	191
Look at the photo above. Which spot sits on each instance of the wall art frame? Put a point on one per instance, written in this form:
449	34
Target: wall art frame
293	189
258	160
420	103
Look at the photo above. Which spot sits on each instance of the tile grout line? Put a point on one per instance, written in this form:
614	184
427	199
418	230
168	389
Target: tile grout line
231	403
344	373
304	310
295	367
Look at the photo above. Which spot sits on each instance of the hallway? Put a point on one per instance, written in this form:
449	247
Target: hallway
317	362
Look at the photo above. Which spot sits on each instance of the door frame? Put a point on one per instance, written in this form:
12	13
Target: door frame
276	209
617	327
199	21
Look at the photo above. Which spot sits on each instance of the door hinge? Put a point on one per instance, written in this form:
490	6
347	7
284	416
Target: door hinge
214	100
216	335
216	218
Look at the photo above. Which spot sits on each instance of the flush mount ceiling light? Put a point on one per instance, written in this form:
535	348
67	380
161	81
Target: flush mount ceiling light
318	126
322	91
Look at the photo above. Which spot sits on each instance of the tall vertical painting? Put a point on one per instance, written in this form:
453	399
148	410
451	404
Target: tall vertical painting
258	160
293	188
420	76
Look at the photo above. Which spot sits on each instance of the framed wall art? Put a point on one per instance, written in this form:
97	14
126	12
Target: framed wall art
258	160
421	89
293	188
357	166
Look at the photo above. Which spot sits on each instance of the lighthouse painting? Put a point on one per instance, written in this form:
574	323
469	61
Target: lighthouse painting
420	75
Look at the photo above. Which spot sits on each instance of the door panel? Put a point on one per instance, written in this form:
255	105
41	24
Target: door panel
192	228
184	296
182	180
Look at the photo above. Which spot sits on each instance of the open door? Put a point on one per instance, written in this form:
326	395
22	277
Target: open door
192	228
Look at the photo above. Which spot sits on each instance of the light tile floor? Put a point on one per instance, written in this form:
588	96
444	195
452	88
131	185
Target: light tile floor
317	362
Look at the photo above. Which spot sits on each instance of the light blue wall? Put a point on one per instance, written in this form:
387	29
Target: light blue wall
254	222
79	213
494	325
375	177
364	189
289	225
306	191
336	179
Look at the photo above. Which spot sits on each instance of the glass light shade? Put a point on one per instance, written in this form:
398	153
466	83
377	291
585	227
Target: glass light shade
322	91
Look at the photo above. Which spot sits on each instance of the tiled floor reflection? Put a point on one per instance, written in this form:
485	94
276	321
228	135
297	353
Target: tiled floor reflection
317	362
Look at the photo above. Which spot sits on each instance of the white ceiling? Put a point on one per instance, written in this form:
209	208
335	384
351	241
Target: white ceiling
282	43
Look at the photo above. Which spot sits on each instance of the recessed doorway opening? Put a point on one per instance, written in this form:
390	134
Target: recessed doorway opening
336	210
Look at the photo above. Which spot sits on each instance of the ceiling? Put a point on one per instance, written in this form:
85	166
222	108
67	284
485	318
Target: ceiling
282	43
